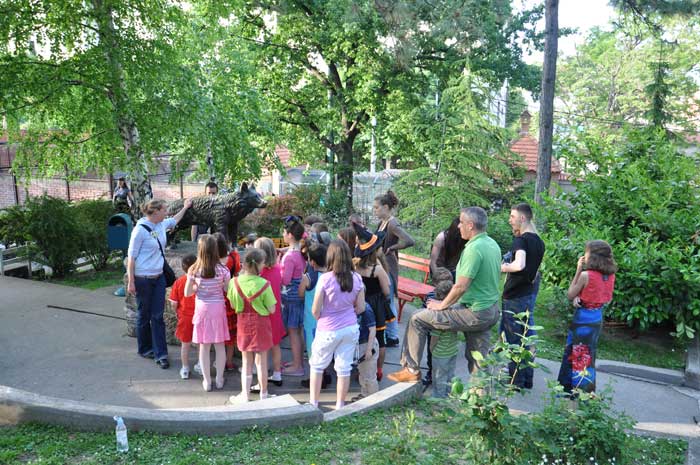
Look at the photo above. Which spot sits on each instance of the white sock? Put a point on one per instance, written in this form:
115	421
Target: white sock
263	395
339	405
276	376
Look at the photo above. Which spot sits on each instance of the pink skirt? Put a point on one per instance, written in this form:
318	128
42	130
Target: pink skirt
210	323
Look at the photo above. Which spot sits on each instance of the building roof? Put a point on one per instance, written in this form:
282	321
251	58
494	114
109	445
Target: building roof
284	155
527	147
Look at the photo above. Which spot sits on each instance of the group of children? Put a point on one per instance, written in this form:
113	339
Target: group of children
252	305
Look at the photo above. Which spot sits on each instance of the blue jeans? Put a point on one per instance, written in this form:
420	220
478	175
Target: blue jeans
443	372
392	329
150	326
513	328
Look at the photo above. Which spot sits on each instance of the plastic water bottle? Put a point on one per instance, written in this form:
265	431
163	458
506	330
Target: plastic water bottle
122	440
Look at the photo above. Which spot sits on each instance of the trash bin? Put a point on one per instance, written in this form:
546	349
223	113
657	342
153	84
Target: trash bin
119	229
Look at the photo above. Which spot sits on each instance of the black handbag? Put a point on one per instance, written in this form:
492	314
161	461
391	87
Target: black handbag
168	272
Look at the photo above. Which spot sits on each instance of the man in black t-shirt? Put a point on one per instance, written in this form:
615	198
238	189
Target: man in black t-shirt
522	284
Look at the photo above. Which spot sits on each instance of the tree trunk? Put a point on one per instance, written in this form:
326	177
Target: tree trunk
135	158
549	74
345	173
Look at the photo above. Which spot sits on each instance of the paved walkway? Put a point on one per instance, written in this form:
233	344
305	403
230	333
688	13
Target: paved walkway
63	353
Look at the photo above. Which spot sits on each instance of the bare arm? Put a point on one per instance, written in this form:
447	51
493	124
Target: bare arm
578	282
303	285
370	342
360	302
318	303
190	285
383	280
438	244
178	216
458	289
130	278
516	265
405	240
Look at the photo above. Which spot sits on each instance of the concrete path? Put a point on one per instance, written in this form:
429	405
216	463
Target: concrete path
62	353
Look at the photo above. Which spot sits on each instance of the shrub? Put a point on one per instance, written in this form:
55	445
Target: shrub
13	225
52	224
92	216
642	197
268	221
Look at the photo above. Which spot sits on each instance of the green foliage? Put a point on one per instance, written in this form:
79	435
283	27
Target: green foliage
327	67
55	231
125	81
13	226
92	215
641	196
615	75
582	431
467	161
269	221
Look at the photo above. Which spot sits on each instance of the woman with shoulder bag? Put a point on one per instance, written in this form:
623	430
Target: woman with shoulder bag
146	279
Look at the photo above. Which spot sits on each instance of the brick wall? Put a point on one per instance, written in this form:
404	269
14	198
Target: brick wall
84	189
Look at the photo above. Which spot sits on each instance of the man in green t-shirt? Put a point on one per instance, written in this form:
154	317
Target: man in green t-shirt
471	306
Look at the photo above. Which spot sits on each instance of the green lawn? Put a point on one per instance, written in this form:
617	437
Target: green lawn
421	433
113	275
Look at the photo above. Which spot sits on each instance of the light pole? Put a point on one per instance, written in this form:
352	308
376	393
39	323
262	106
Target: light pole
373	150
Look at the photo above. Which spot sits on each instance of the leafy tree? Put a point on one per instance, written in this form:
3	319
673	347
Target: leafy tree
468	161
328	66
108	84
615	75
640	194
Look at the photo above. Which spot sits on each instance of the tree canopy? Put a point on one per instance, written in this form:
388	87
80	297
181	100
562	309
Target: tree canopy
328	66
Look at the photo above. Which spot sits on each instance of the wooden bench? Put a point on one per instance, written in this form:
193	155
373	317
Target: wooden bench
409	289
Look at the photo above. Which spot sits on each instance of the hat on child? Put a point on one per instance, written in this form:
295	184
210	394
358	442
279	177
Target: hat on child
367	242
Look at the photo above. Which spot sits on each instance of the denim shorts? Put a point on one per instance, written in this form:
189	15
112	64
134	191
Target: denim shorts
292	313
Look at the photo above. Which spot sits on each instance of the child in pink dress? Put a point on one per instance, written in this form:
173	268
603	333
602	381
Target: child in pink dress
273	273
293	265
208	278
253	300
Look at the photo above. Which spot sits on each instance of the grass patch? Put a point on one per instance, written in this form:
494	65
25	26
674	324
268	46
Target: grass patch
113	275
424	432
651	348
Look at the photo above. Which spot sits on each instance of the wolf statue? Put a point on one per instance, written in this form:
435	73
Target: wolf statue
221	213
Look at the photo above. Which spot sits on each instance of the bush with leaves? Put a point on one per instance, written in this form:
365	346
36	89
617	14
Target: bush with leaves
638	191
268	221
580	432
55	230
13	226
92	216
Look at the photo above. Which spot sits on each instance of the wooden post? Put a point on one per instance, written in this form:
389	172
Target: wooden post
549	74
16	188
182	188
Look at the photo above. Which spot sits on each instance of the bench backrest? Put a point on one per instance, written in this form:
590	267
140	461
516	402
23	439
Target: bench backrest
416	263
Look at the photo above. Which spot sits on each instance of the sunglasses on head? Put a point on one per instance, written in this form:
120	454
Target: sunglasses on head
292	219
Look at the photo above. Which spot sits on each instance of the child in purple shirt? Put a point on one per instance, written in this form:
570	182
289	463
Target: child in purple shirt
340	297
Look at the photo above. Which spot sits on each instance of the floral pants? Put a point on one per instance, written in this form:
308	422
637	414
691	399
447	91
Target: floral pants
577	369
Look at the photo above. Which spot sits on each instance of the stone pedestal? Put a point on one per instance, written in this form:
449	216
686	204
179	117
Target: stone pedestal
692	364
174	257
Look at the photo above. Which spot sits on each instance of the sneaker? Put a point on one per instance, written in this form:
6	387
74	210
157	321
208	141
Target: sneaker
404	376
197	369
391	342
427	380
238	399
163	363
185	373
380	374
275	381
357	397
255	388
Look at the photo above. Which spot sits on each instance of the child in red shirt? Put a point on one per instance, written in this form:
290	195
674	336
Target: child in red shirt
184	308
